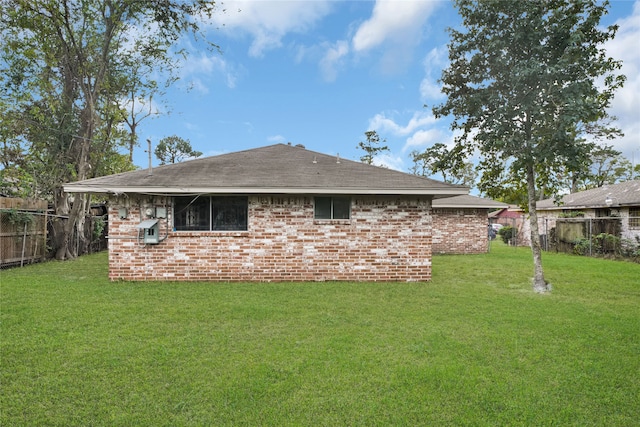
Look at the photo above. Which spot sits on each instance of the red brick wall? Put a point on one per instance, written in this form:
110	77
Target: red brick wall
460	231
386	239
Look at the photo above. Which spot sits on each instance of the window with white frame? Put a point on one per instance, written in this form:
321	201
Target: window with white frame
210	213
634	218
332	208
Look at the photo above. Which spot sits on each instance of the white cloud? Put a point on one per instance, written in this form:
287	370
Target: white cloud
197	85
435	61
277	139
385	124
398	21
389	161
424	138
626	104
333	58
420	131
205	64
397	27
268	22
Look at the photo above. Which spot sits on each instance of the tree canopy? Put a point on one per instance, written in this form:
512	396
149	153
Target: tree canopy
371	147
526	83
174	149
438	159
66	67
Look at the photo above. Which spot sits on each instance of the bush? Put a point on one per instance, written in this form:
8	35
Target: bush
581	246
506	233
605	244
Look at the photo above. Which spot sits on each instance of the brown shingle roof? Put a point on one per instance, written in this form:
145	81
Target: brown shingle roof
468	201
622	194
276	168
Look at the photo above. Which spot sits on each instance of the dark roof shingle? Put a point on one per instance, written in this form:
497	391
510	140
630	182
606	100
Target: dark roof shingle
279	168
623	194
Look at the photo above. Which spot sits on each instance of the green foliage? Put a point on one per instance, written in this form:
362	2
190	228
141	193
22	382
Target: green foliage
98	227
506	233
371	147
603	165
438	159
526	82
603	244
572	214
469	348
631	248
582	246
65	67
16	217
174	149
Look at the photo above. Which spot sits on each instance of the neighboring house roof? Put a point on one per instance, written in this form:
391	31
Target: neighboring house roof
622	194
467	201
274	169
509	212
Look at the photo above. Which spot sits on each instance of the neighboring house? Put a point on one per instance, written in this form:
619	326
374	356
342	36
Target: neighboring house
276	213
513	216
460	224
616	200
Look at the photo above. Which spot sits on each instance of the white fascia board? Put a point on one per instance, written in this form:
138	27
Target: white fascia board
450	206
80	188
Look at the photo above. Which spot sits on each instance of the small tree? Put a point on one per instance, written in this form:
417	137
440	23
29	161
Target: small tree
371	147
521	86
174	149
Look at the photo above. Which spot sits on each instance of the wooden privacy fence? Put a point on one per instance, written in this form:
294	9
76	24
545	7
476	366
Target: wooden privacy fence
23	231
587	232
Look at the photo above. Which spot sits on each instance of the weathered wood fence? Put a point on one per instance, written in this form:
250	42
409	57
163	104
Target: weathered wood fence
586	232
23	231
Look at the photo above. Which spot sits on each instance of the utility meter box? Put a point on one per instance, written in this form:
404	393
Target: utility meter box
150	231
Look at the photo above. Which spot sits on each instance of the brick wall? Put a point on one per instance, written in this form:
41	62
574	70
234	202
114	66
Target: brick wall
386	239
460	231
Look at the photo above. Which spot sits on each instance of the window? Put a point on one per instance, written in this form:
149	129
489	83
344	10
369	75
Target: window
634	218
206	213
332	208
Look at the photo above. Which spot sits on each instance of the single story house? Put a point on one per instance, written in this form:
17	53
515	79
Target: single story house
276	213
460	224
620	200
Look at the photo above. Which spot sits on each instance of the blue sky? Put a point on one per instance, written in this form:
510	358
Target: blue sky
322	73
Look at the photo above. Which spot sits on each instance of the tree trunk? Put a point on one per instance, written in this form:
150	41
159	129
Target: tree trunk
59	243
539	284
68	250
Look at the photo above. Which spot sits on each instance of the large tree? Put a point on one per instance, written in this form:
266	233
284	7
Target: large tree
527	80
66	66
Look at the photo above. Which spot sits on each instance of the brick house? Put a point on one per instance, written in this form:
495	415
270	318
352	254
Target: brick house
620	200
460	224
276	213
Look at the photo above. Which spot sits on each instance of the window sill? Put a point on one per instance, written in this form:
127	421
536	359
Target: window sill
215	233
332	221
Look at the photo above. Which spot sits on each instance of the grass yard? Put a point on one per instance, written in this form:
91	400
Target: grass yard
473	347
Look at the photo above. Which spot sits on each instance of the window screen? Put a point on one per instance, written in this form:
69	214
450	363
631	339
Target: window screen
229	213
332	208
205	213
634	218
191	213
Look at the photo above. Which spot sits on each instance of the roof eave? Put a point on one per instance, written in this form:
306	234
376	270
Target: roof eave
603	206
97	189
469	206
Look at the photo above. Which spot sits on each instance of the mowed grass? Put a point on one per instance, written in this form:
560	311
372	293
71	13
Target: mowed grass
475	346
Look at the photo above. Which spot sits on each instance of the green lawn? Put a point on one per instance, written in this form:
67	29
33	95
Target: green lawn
473	347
